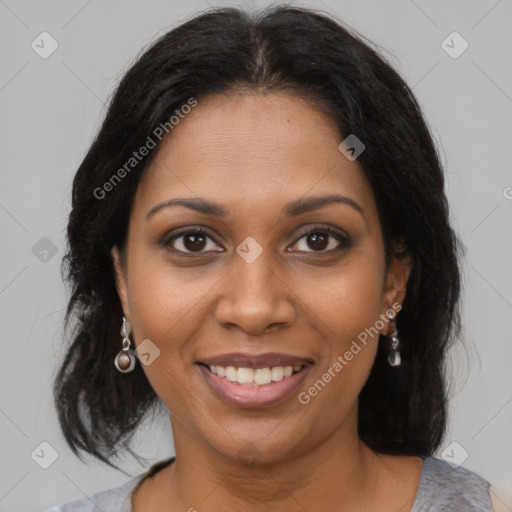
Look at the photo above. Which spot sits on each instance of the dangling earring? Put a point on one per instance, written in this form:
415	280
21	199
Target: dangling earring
125	359
394	358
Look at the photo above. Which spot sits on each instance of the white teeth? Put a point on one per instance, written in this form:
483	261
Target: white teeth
245	375
262	376
254	377
231	373
277	373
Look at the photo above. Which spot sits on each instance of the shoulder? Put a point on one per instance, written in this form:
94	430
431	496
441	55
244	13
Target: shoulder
446	488
113	500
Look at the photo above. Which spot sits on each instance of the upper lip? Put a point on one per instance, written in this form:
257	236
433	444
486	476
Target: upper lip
267	360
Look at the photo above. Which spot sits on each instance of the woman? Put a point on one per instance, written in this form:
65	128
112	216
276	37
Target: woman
263	216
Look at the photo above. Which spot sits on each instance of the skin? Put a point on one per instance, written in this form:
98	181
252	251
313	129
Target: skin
254	153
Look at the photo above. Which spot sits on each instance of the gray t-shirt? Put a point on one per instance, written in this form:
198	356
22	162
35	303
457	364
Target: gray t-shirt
441	489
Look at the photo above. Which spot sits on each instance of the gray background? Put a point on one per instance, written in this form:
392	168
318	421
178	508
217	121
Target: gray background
50	110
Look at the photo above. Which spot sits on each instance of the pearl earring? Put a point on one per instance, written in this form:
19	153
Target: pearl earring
125	359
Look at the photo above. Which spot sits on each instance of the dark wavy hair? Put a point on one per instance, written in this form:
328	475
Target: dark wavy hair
402	410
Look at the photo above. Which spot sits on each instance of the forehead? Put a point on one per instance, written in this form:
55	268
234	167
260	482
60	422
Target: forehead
253	150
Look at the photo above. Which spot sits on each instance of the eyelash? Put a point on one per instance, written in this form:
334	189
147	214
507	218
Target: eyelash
344	241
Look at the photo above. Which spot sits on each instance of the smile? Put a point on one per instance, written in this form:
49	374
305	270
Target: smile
254	387
255	377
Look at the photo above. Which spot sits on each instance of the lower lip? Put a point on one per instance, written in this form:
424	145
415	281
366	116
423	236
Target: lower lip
267	395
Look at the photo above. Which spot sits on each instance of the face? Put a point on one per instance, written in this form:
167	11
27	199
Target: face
275	277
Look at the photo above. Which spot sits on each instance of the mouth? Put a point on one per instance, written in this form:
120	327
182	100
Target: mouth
254	381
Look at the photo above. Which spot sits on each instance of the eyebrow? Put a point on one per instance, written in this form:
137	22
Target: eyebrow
297	207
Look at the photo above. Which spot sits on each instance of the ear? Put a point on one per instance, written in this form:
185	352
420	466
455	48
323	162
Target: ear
120	277
395	285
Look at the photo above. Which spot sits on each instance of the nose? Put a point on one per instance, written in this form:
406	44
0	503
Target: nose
255	298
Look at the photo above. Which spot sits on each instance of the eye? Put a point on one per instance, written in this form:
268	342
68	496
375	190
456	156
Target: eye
321	238
191	240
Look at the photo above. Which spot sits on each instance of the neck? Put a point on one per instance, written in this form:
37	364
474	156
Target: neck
332	475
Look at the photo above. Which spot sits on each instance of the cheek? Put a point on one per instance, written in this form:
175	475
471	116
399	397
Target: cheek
347	309
348	301
169	306
163	308
164	299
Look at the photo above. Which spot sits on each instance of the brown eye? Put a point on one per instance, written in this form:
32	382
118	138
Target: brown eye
190	241
322	240
318	241
194	241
